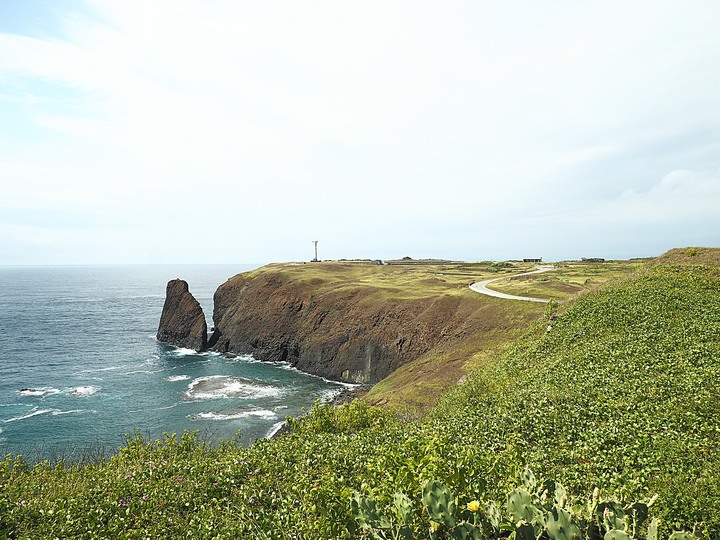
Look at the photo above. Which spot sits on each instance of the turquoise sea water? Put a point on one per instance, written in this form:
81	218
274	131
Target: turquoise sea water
80	366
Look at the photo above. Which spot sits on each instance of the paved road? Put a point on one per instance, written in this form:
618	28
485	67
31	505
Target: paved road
479	286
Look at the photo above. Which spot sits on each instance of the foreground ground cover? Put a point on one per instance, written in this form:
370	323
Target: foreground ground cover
617	391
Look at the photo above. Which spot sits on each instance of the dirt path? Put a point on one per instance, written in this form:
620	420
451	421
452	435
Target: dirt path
480	286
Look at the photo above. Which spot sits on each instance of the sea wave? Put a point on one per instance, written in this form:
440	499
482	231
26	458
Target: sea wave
174	378
142	371
250	359
99	370
36	411
33	412
38	392
83	391
277	426
290	367
233	414
224	386
180	351
74	411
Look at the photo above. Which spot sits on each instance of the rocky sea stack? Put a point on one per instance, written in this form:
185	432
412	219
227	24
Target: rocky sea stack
182	322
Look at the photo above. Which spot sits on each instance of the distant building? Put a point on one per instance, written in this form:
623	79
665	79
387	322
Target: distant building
533	260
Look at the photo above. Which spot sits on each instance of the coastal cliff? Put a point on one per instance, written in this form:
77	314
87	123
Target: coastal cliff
348	323
182	322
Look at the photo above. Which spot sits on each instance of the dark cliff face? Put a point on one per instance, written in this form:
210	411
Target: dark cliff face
182	322
345	335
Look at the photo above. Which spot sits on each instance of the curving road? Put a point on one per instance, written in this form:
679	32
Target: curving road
480	286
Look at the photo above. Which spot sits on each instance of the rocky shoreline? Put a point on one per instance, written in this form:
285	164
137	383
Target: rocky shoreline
348	394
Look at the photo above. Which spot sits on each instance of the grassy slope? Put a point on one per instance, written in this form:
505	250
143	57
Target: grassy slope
622	392
417	385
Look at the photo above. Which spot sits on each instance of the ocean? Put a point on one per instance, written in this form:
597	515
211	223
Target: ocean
80	367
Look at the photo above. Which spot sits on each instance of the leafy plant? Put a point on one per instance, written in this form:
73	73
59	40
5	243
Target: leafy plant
533	511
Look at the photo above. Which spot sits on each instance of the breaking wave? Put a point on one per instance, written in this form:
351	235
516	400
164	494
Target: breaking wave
233	414
223	386
83	391
174	378
38	392
37	412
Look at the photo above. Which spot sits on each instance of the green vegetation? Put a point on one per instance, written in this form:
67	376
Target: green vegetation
617	390
414	388
533	510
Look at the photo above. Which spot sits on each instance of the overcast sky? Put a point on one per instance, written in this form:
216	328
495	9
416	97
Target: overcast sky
190	131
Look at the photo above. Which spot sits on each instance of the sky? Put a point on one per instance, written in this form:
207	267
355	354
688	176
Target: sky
231	131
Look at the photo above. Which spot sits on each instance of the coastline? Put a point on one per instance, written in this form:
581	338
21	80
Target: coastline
349	394
344	395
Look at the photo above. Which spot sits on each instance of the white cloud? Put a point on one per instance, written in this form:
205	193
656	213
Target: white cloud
679	195
356	121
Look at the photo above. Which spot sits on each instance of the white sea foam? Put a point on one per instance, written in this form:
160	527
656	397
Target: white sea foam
74	411
83	391
210	353
174	378
289	367
98	370
329	395
180	351
166	408
249	358
33	412
223	386
143	410
234	414
144	371
38	392
277	426
37	412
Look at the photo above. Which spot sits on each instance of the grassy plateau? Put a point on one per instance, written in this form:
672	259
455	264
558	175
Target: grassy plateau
599	420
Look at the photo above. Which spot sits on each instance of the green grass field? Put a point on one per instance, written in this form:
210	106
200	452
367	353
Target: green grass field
616	389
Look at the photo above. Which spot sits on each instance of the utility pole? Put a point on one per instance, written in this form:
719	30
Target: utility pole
315	259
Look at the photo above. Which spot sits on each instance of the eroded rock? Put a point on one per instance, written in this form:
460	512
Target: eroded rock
182	322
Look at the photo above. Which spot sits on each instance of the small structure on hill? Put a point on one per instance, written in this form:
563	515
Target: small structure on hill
533	260
316	258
